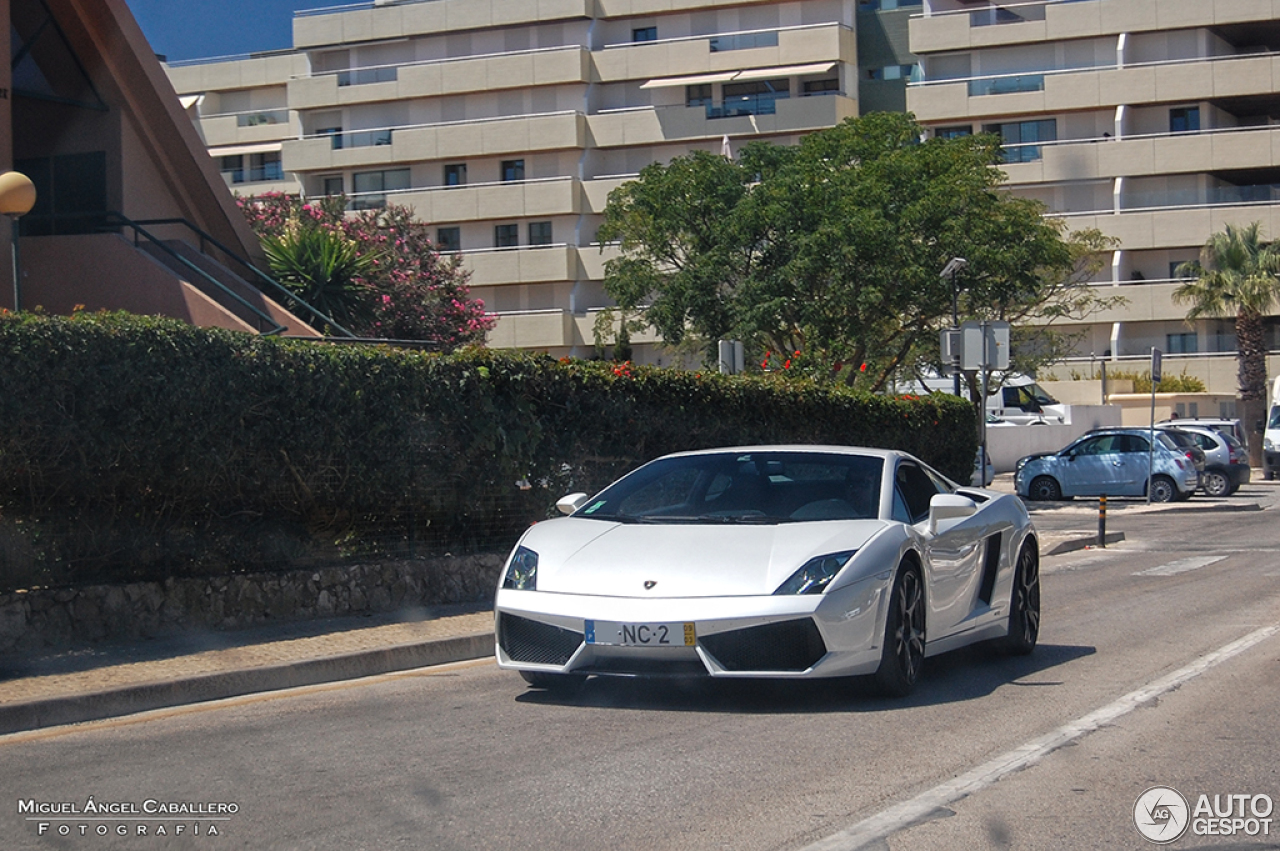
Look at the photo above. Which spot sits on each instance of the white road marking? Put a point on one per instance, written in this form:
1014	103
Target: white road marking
884	824
1182	565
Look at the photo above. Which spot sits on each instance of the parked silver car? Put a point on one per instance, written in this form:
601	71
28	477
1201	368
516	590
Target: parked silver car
1110	461
1226	465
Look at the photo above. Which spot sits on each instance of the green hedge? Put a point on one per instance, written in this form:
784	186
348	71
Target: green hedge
134	446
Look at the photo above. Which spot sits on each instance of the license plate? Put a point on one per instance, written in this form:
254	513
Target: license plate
641	634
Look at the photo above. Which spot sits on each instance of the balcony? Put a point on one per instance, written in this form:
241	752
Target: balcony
1233	148
454	139
489	72
725	52
1105	86
560	196
964	28
655	125
245	128
318	28
532	265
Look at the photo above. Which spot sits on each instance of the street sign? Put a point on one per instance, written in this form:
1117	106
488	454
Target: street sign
1156	356
984	345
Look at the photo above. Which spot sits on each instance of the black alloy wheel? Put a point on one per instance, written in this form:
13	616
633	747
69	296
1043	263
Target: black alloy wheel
904	635
1024	603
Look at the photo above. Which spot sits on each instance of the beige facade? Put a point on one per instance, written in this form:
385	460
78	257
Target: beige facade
505	123
1157	122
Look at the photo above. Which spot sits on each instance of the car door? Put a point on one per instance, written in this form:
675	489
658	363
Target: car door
953	557
1096	466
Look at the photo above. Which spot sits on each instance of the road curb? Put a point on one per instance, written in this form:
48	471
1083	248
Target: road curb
128	700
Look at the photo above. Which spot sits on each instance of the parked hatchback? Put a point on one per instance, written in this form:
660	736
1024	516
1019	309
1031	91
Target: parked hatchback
1226	465
1112	462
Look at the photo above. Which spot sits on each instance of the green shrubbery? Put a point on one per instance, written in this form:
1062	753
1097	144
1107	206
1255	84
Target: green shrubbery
134	446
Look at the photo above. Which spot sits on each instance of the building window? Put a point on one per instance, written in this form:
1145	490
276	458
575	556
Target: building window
1181	344
332	184
449	239
369	188
539	233
455	174
821	87
512	170
232	168
885	5
953	132
644	34
265	166
1019	140
506	236
1184	119
699	95
894	72
335	133
757	97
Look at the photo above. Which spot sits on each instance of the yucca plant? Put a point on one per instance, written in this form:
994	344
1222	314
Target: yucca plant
324	268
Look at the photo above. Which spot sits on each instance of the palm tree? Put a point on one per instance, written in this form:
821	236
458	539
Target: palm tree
1237	274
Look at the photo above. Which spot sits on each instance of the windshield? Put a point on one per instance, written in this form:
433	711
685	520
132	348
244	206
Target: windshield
1275	417
744	487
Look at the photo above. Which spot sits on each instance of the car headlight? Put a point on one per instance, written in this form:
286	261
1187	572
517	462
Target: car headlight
815	575
1022	462
522	571
1267	444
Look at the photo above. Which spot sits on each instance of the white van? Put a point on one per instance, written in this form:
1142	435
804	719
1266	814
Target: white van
1271	436
1023	402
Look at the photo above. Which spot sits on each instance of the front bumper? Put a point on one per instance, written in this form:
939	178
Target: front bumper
805	636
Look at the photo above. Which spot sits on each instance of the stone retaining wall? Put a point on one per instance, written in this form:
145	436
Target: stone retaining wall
60	617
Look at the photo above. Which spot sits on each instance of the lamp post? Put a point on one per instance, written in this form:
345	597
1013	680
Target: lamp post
954	265
17	197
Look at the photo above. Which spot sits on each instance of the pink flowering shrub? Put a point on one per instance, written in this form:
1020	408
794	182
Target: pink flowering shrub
407	291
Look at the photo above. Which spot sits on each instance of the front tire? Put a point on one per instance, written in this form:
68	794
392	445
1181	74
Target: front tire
904	635
1024	603
1163	489
1045	489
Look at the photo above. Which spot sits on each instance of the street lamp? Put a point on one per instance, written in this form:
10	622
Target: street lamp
17	197
953	267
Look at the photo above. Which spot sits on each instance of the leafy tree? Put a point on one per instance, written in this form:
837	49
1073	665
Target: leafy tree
375	272
1237	275
833	247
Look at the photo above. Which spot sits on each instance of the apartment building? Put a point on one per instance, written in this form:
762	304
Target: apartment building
506	123
1156	121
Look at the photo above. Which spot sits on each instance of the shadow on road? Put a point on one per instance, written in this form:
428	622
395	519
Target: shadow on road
965	674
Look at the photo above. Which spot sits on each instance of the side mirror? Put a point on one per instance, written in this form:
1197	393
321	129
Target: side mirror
572	502
949	506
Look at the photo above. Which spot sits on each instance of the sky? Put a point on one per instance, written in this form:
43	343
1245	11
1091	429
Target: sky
200	29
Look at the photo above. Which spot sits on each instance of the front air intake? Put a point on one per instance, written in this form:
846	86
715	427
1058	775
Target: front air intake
525	640
789	646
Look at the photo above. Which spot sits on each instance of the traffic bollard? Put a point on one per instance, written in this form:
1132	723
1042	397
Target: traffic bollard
1102	521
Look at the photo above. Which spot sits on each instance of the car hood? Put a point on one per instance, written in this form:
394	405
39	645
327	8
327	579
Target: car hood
598	557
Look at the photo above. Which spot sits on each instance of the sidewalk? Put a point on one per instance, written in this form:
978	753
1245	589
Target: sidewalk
120	679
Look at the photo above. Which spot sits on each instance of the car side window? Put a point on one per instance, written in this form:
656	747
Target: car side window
1093	446
1134	443
916	489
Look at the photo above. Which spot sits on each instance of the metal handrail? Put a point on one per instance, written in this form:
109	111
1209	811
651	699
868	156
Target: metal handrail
274	285
119	219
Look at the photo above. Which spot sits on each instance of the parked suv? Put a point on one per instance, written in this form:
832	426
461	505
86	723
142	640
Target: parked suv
1226	465
1226	425
1110	461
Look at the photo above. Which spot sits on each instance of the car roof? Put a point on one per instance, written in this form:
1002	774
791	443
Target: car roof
865	451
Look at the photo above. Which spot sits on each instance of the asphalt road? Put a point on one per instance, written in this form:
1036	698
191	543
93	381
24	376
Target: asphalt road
1159	665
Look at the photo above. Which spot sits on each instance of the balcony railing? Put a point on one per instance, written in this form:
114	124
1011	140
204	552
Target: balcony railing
360	138
364	76
1006	85
743	41
274	171
761	104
